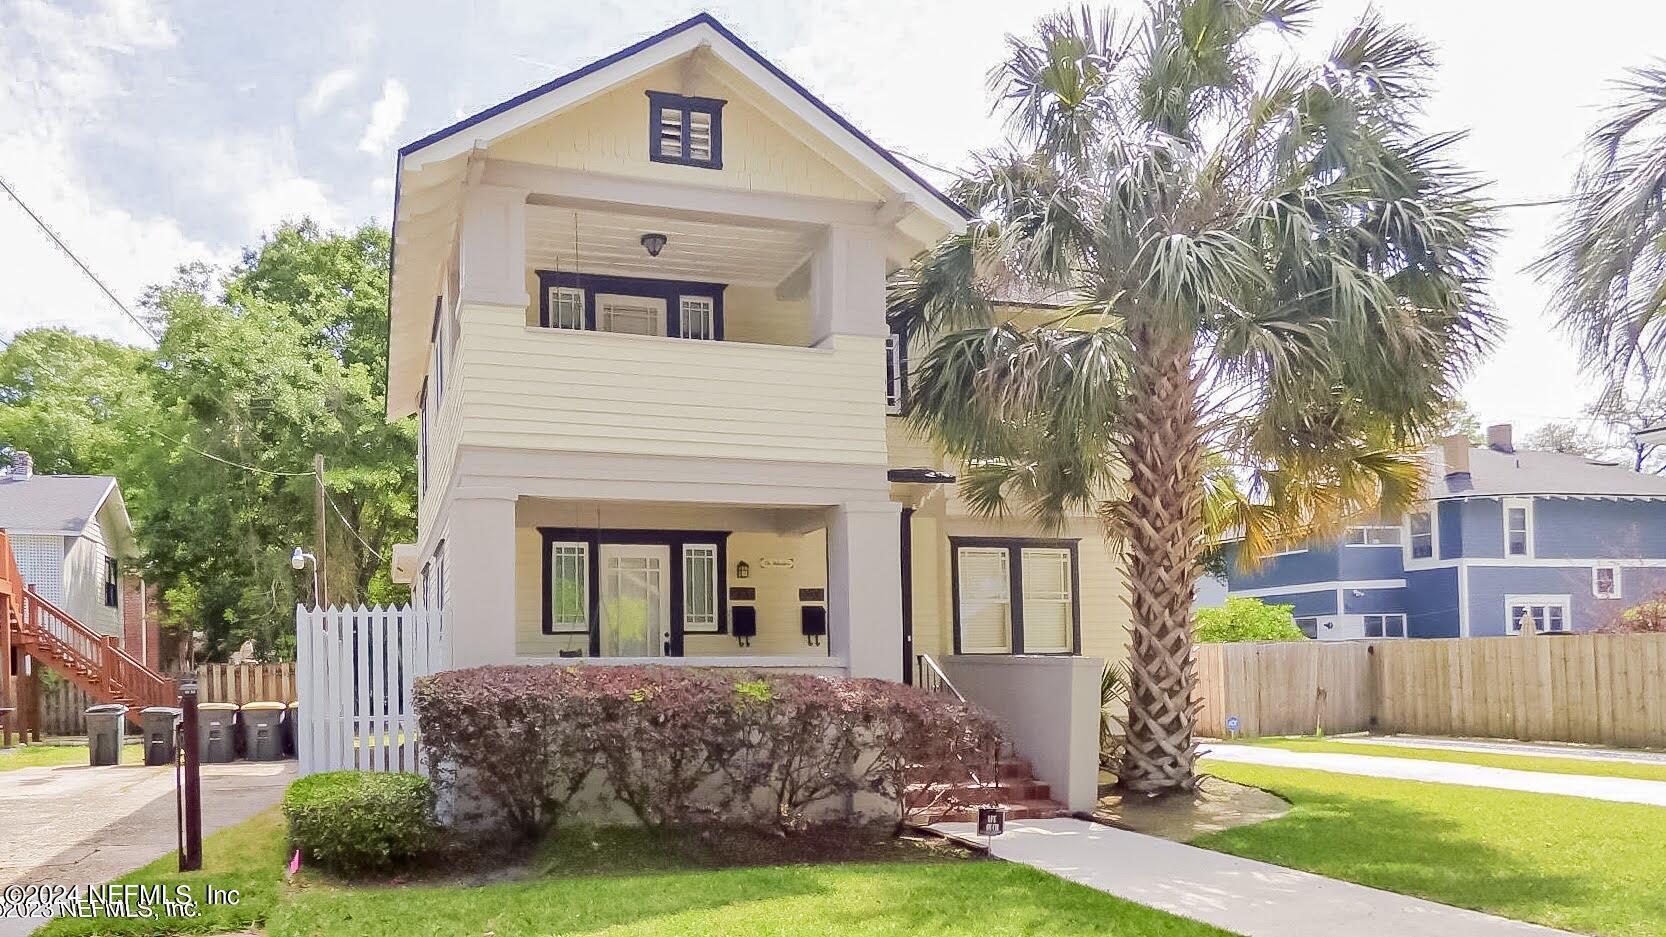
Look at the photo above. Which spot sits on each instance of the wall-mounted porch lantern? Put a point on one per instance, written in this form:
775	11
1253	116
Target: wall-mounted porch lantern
653	243
743	570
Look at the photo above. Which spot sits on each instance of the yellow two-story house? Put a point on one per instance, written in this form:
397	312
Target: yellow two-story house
640	313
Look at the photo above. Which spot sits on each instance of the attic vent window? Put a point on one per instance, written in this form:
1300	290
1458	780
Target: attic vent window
684	130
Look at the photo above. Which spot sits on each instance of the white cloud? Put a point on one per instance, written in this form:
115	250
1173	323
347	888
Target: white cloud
385	117
258	175
61	78
325	89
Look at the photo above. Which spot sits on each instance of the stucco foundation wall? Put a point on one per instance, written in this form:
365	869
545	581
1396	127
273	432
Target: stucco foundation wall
1048	708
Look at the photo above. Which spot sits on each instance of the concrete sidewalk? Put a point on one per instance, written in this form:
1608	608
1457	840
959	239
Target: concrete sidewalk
78	825
1504	747
1250	898
1620	790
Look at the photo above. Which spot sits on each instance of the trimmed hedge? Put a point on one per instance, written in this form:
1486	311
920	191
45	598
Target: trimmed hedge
523	741
361	822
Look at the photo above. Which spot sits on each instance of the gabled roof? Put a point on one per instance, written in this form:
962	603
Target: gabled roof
53	504
1495	473
693	23
432	173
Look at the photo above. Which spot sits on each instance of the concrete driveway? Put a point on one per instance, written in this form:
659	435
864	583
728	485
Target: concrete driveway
78	825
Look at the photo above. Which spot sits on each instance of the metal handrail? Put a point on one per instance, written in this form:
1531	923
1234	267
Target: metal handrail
932	677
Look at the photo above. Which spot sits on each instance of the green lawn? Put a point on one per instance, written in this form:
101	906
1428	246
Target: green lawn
39	756
1547	764
1583	865
625	883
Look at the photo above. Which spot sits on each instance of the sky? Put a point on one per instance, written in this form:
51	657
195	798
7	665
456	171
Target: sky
151	133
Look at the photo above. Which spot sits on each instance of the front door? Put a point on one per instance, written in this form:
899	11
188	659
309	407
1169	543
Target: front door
636	616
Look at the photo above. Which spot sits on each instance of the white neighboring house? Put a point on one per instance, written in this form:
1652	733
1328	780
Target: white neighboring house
70	534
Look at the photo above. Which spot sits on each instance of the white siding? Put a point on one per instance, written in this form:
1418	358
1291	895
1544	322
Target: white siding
548	389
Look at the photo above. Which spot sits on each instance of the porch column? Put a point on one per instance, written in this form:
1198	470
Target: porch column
480	580
847	284
491	253
864	588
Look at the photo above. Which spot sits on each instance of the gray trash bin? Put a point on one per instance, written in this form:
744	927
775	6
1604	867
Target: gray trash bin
106	733
291	732
158	724
263	731
216	732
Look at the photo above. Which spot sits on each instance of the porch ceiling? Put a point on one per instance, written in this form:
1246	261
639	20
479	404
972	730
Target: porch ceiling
592	241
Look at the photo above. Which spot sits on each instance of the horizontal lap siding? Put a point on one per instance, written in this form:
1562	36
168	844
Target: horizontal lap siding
592	392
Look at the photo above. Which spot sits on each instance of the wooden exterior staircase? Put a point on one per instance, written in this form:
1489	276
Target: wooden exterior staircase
34	627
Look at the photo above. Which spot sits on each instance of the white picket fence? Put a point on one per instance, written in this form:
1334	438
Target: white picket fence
354	670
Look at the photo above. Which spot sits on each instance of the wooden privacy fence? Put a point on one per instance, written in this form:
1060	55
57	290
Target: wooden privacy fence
1594	688
354	669
62	709
246	683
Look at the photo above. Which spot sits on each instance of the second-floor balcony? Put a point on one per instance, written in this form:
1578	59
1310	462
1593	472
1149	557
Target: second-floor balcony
568	326
582	390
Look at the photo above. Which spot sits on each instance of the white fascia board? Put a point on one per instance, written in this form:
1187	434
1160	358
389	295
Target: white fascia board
1334	585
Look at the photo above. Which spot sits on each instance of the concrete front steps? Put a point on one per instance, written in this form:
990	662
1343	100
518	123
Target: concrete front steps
1014	787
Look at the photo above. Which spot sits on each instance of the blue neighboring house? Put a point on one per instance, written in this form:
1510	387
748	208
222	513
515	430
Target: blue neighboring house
1500	535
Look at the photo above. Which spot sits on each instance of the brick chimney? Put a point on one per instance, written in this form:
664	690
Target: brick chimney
23	465
1455	453
1499	438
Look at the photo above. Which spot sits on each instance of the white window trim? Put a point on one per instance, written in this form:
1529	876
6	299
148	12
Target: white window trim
960	598
1385	636
707	307
1398	530
1292	552
566	291
1068	599
894	387
1619	590
627	299
1527	505
714	624
1411	560
1565	601
582	625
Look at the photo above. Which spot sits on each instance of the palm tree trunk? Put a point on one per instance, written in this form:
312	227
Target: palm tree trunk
1161	522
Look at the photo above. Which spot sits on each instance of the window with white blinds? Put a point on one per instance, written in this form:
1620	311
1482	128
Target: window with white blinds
1047	600
569	588
985	600
1015	597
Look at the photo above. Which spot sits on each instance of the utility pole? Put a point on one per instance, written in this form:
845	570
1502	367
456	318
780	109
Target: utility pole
322	534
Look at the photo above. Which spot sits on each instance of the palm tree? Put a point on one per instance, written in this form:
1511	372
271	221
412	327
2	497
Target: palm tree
1263	285
1607	259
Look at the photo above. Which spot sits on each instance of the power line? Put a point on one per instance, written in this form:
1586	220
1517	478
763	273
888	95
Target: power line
41	222
349	524
237	465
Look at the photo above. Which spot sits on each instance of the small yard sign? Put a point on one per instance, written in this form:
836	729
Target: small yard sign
992	821
1232	724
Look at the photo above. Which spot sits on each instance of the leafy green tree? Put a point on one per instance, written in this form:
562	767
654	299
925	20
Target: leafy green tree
257	373
1607	258
1256	258
213	433
1246	620
74	403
